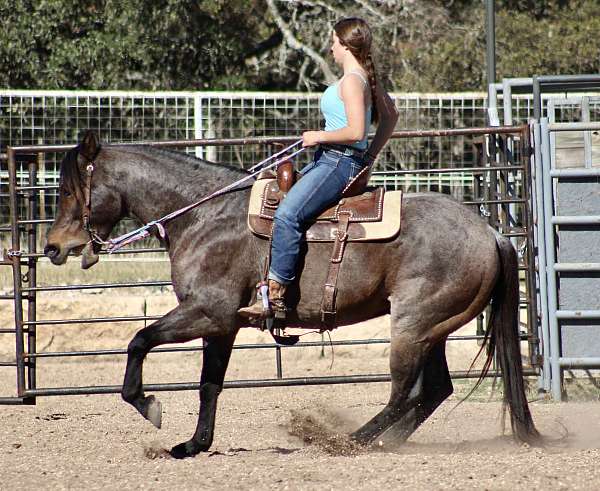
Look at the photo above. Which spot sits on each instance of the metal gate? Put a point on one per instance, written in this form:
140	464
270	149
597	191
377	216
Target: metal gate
569	252
496	182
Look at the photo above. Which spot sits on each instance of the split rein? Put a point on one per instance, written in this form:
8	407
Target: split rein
116	243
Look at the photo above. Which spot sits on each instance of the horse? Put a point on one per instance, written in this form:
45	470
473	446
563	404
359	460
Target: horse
439	273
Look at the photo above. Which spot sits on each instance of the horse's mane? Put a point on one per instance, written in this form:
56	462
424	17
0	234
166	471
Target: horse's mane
72	180
188	158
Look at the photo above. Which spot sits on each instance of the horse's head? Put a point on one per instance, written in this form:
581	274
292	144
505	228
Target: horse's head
87	207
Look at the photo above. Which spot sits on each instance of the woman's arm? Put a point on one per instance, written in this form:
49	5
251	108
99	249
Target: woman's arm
353	95
388	115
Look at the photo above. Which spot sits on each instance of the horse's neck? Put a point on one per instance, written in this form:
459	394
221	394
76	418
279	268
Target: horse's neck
155	185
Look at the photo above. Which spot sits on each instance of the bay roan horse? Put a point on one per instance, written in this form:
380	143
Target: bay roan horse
438	274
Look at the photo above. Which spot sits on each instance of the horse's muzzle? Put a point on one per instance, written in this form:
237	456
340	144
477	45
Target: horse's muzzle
52	252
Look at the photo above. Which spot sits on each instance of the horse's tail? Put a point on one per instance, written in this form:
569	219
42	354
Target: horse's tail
503	332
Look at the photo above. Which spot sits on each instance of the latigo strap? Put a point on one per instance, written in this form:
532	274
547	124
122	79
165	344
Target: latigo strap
328	308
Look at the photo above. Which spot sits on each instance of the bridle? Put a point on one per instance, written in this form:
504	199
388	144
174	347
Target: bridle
87	200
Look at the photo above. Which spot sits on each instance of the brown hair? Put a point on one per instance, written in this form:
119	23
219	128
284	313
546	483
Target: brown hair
355	34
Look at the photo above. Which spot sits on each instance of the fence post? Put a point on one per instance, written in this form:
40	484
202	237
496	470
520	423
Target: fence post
198	128
15	256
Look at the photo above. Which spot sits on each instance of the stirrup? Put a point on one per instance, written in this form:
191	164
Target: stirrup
272	323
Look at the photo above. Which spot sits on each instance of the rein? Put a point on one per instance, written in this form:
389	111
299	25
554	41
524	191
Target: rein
116	243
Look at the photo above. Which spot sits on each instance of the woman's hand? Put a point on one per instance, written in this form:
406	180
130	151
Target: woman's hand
310	138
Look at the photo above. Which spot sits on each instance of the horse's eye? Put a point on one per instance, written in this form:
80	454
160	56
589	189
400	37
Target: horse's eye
66	193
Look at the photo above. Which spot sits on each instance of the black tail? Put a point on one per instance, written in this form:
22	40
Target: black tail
503	333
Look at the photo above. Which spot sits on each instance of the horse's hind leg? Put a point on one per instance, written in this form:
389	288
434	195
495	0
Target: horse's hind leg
216	354
181	324
407	356
433	386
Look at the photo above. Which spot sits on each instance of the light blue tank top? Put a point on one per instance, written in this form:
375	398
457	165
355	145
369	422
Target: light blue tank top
332	107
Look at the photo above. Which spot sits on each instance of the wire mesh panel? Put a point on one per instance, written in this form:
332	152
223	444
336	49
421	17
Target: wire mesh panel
60	117
57	117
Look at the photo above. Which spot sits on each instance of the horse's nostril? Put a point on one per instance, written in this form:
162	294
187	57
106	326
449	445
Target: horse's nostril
51	251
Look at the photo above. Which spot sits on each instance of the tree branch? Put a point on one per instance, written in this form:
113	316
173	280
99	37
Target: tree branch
369	7
293	43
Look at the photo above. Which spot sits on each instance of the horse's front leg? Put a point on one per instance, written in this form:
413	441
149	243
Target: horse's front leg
216	354
183	323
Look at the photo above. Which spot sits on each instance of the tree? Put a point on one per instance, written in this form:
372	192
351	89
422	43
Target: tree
421	45
150	44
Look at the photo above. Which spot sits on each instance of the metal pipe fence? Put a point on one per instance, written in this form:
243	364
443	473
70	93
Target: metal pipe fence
500	190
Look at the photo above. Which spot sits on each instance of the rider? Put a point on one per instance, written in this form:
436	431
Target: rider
349	106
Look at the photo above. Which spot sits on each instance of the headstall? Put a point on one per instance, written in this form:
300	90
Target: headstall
87	200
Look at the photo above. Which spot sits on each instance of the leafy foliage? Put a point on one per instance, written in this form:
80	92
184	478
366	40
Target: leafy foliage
427	45
561	41
147	44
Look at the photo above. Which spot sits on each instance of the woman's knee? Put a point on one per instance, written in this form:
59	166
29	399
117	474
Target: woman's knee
287	214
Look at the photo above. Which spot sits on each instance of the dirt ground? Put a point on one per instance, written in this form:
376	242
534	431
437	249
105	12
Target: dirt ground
272	438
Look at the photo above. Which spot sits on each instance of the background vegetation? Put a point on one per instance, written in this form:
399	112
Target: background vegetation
422	45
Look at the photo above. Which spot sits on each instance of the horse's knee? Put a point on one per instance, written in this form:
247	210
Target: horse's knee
137	346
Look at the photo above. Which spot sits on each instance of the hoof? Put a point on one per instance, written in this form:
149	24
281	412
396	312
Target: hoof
186	449
154	411
360	438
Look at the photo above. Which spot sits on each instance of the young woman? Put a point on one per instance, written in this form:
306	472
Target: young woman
349	106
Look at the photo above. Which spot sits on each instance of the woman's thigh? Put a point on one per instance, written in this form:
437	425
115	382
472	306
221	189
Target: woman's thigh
312	191
321	185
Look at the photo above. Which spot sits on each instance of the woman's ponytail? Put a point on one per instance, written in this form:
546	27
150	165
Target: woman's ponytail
370	68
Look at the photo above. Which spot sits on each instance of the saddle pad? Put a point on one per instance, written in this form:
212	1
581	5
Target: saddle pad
324	230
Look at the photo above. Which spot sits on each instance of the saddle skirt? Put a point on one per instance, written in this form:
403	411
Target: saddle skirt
373	215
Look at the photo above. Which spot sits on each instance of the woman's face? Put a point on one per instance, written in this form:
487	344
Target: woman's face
338	50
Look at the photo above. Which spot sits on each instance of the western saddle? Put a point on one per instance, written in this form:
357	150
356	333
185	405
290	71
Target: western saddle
360	215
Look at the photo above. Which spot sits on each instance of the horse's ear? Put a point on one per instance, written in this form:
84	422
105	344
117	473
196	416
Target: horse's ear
90	146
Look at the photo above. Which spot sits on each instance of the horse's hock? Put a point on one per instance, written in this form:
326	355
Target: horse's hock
501	184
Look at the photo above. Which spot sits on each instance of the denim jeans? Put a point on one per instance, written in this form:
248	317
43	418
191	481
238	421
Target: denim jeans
321	185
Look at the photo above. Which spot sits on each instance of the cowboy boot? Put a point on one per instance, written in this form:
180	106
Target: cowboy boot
276	304
277	300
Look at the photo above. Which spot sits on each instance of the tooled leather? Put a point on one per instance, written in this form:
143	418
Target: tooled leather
328	302
366	207
318	232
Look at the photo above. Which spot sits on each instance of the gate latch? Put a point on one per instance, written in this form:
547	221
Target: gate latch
9	253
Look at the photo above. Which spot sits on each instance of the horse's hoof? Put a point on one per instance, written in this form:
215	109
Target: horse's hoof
360	438
154	411
186	449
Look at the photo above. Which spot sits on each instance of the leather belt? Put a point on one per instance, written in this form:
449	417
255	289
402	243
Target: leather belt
343	149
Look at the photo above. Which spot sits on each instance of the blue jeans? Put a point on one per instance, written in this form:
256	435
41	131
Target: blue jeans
322	183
